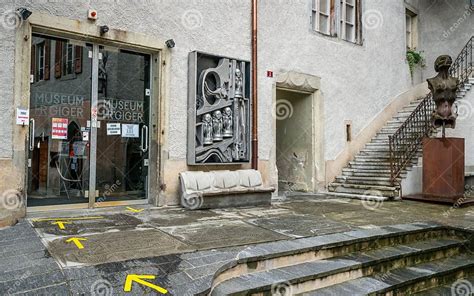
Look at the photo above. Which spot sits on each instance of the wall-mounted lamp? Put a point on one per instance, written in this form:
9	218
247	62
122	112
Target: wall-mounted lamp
103	29
170	42
23	13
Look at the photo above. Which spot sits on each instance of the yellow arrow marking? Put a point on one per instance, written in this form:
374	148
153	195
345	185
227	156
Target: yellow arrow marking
77	241
139	279
65	219
61	224
134	210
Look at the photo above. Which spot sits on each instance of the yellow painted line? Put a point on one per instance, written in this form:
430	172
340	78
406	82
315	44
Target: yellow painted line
62	218
139	279
134	210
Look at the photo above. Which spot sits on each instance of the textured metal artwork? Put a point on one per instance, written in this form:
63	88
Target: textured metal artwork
444	88
219	110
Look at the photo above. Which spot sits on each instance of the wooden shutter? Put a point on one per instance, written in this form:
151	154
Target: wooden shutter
33	62
358	21
47	59
78	59
58	56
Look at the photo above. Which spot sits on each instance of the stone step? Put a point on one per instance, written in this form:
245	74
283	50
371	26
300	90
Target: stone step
376	153
363	189
369	171
278	254
405	280
373	157
371	174
305	276
450	289
377	145
374	166
361	180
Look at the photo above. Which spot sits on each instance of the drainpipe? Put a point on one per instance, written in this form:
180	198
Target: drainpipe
254	87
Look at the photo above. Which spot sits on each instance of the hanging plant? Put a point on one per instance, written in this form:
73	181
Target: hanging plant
415	58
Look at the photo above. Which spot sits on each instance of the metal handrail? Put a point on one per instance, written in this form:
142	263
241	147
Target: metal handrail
406	141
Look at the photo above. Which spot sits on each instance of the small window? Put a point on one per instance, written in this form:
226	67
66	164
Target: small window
68	62
40	61
348	131
348	20
340	18
411	29
322	12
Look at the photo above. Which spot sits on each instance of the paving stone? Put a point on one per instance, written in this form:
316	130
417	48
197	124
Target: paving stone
233	231
60	289
214	257
205	270
30	282
299	225
215	234
37	267
117	246
23	261
105	223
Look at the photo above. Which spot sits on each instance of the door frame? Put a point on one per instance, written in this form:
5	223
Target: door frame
90	33
309	85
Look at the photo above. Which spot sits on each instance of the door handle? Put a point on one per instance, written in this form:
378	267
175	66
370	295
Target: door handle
144	139
32	134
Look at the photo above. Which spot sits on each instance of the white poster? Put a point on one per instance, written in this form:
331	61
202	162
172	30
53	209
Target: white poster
130	130
22	116
113	129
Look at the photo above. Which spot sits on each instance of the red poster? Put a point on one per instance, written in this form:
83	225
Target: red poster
59	128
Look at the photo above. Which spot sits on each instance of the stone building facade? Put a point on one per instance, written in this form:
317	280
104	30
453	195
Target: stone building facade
326	70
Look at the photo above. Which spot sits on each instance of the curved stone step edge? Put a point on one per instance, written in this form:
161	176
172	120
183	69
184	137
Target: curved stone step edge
265	251
380	284
446	289
293	274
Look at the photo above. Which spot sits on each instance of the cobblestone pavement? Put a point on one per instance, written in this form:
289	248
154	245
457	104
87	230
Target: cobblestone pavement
182	249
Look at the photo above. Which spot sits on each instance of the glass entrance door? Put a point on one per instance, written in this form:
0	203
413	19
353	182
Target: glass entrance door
123	113
60	104
89	119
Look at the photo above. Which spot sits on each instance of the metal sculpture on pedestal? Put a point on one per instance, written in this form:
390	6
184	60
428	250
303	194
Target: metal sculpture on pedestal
218	110
443	158
443	88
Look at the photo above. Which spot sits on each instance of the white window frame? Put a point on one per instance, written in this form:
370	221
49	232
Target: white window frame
338	22
411	29
66	59
317	12
345	22
40	61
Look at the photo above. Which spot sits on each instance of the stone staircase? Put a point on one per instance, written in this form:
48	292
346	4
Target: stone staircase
393	260
368	174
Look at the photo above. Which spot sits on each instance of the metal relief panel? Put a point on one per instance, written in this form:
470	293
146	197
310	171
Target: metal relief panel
218	110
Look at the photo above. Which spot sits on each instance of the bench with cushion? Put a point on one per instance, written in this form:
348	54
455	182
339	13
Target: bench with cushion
220	189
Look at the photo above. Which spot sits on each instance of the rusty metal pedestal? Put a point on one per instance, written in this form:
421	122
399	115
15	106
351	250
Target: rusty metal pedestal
443	172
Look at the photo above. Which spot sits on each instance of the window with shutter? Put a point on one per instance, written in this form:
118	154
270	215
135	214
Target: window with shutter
348	20
411	29
340	18
77	59
322	11
40	56
47	59
68	59
58	58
